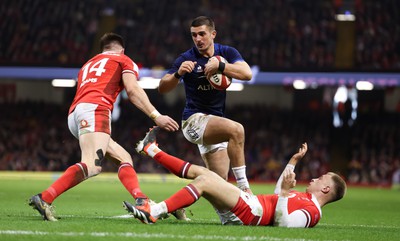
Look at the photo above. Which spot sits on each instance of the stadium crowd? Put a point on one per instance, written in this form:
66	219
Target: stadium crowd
378	35
375	154
47	32
286	34
34	137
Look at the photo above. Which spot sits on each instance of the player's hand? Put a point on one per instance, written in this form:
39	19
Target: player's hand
166	123
299	155
288	182
211	67
186	67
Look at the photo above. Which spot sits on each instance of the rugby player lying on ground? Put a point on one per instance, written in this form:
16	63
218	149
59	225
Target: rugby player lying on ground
285	208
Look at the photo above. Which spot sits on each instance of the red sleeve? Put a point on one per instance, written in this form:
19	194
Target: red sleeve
128	66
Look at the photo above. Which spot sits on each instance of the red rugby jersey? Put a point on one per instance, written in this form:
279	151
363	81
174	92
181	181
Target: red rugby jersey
100	79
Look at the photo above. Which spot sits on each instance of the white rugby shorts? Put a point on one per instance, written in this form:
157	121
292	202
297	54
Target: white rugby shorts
193	130
89	118
248	211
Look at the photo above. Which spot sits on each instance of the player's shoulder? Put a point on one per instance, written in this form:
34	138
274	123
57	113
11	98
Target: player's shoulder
123	57
224	48
228	52
116	56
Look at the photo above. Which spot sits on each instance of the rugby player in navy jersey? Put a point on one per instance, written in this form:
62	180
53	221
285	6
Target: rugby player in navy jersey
219	139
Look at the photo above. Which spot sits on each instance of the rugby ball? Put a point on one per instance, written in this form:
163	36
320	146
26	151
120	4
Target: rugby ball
218	80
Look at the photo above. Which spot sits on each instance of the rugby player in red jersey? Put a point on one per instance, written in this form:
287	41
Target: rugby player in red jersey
100	80
284	208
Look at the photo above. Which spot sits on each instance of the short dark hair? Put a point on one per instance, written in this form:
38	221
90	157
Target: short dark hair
203	20
108	38
340	187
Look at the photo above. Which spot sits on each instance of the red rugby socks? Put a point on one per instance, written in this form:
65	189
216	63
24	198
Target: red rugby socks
71	177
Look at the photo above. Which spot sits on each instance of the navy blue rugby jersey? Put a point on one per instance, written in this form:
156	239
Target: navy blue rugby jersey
200	95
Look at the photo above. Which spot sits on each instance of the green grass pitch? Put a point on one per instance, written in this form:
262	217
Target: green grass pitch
93	211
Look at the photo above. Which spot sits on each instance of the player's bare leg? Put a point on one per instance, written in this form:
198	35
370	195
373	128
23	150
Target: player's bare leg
219	130
93	146
126	173
218	162
220	193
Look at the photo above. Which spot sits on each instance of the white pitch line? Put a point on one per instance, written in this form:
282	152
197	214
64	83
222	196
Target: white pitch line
146	235
127	216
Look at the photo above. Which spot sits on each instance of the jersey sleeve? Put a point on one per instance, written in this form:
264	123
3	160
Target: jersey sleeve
128	66
279	182
300	218
297	219
232	55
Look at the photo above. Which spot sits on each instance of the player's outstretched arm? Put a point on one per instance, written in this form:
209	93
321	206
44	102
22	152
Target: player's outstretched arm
286	182
282	218
291	165
139	98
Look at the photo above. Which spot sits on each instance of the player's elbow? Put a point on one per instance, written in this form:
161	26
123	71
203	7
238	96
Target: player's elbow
244	75
164	87
130	93
247	75
161	89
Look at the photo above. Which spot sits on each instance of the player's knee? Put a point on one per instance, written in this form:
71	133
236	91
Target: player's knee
237	132
120	157
221	171
203	181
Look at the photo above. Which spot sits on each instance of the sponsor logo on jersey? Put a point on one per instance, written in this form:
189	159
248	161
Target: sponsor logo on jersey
205	87
90	80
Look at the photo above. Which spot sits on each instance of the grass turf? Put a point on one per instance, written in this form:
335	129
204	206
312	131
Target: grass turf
93	211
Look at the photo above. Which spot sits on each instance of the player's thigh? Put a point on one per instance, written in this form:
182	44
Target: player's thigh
220	193
217	161
93	147
220	129
117	153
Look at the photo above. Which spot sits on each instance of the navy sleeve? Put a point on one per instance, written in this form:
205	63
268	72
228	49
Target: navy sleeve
231	54
177	63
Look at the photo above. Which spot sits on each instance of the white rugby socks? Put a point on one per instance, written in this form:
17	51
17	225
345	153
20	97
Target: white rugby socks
241	178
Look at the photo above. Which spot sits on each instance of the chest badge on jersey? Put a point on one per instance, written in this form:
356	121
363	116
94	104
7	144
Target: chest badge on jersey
199	69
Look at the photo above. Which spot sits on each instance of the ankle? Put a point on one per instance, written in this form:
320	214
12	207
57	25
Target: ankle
152	149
